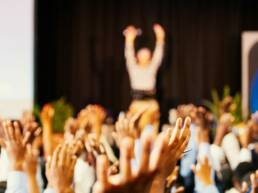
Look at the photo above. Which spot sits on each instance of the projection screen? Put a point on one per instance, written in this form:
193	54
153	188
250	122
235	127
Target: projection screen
16	57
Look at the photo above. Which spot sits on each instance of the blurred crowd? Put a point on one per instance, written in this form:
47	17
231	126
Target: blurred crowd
195	152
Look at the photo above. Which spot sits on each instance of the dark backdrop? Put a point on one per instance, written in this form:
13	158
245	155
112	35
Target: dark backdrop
79	48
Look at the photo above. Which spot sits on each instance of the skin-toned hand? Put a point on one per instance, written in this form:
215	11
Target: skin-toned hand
244	188
31	162
70	128
30	167
127	126
130	34
27	117
176	140
46	117
14	144
203	171
76	147
172	178
225	122
91	144
47	114
91	119
254	184
123	130
2	144
60	169
160	33
31	132
245	136
128	181
171	181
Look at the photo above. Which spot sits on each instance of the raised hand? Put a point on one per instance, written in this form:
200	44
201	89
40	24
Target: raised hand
30	167
47	114
245	136
128	125
172	178
128	181
176	140
46	117
159	31
27	117
14	144
225	122
254	182
30	161
2	144
203	171
70	128
31	132
91	119
171	181
60	170
130	33
123	128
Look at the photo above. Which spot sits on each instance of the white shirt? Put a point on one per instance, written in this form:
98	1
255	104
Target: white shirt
84	176
4	165
143	79
231	150
17	182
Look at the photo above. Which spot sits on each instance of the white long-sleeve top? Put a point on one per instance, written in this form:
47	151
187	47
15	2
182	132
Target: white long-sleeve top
231	150
16	182
143	79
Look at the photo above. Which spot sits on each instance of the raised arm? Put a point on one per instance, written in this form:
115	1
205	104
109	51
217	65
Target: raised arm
130	34
159	49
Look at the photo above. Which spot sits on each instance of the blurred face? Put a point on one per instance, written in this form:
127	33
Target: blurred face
144	56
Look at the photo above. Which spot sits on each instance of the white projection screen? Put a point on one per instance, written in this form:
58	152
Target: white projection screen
16	57
249	71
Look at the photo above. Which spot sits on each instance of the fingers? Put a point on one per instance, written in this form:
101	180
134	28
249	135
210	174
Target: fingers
72	164
253	178
244	187
159	148
180	137
125	159
17	131
173	142
62	156
48	164
31	152
29	149
7	136
182	147
102	170
54	159
145	153
180	189
253	181
186	129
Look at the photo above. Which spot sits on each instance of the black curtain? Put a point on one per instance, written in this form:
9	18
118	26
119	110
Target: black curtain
80	48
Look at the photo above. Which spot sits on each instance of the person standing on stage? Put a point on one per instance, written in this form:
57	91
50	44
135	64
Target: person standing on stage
142	69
